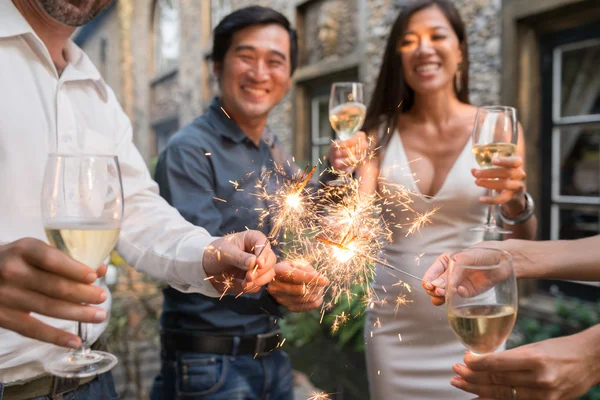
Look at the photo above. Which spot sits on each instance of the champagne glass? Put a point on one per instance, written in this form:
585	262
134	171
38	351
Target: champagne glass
495	134
346	108
82	208
346	115
481	298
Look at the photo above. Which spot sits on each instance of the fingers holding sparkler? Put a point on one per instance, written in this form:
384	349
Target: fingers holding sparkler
233	262
435	279
297	286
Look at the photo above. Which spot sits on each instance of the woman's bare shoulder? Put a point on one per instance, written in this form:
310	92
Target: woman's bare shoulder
468	110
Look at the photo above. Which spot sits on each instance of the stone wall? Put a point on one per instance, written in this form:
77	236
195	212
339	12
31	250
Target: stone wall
331	30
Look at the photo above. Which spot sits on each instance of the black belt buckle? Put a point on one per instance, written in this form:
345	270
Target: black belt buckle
260	349
61	386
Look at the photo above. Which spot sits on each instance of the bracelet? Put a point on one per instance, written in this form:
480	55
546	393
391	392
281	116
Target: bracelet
525	215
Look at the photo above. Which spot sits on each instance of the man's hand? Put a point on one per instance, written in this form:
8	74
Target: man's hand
345	155
35	277
233	264
297	286
554	369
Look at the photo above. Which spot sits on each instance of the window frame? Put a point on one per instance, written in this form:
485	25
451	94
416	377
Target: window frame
316	139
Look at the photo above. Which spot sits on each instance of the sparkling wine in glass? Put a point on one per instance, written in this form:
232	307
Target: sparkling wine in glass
346	108
481	298
495	135
82	208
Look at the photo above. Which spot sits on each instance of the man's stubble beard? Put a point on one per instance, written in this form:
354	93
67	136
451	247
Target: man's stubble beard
65	13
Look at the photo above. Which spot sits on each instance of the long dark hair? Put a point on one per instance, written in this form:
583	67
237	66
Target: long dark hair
392	96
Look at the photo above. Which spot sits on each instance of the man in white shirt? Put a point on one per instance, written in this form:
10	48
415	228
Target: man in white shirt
53	100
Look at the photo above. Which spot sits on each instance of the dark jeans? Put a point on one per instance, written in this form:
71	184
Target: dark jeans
101	388
224	377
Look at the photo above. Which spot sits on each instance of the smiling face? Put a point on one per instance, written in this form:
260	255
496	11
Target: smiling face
430	51
255	72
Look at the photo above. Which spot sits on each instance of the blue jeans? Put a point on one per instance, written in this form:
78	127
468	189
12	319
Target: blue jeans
223	377
101	388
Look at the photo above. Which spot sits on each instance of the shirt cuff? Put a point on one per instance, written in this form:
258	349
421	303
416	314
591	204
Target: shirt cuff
188	266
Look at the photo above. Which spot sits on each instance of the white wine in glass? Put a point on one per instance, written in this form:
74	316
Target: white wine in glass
82	209
485	153
346	108
88	242
481	298
495	134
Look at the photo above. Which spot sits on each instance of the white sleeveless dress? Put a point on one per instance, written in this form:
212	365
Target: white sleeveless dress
410	349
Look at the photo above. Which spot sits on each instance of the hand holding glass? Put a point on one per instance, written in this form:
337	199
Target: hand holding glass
481	298
82	208
495	135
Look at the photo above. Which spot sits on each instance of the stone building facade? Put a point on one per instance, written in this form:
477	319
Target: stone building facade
518	50
337	37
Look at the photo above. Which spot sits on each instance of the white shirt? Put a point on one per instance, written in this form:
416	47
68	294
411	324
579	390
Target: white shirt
43	113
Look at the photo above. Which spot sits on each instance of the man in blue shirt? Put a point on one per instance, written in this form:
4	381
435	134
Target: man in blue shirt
228	348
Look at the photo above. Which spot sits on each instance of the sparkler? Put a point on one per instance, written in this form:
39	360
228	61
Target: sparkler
288	203
341	234
352	252
319	396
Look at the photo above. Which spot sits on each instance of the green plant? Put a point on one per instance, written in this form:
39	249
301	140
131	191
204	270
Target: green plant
152	165
329	351
571	316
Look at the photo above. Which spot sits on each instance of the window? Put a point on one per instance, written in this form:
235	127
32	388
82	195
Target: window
321	131
575	159
571	140
166	35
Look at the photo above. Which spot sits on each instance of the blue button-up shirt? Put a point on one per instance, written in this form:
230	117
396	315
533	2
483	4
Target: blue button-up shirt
208	172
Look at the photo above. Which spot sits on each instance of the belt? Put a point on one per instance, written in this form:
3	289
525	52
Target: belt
46	385
256	345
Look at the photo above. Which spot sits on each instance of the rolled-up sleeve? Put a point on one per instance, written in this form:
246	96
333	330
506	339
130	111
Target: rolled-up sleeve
155	238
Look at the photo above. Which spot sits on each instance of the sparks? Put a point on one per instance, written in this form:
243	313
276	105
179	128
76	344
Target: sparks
401	300
290	209
227	284
319	396
339	230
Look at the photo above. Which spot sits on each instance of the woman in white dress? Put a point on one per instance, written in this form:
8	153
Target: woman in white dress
421	113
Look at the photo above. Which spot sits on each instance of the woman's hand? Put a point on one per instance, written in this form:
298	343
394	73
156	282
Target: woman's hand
345	155
507	178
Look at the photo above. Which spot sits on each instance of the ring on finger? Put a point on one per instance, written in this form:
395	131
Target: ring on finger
514	392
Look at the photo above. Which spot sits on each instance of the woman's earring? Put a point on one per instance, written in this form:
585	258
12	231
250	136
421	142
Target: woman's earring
458	78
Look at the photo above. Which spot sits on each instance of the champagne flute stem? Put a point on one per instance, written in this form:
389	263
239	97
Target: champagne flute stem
82	332
491	220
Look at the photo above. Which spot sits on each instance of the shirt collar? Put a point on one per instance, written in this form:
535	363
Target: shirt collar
83	68
12	24
229	129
